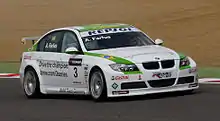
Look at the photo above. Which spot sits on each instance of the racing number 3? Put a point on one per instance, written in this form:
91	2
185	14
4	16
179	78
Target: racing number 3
75	62
75	72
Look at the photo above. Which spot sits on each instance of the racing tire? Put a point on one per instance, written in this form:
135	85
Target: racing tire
31	85
97	85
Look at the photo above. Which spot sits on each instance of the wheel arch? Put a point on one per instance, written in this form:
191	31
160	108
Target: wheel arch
28	67
105	93
93	69
35	69
37	91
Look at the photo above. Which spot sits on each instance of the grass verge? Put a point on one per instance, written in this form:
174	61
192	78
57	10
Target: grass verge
9	67
209	72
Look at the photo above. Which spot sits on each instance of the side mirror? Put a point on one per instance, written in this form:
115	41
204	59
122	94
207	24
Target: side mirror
71	50
159	42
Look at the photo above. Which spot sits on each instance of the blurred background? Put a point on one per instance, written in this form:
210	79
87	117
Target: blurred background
188	26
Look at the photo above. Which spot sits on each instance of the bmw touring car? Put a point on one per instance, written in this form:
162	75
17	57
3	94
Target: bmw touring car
103	60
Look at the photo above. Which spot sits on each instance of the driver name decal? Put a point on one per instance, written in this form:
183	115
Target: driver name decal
97	38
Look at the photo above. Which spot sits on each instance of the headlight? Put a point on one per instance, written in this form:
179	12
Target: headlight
184	62
124	67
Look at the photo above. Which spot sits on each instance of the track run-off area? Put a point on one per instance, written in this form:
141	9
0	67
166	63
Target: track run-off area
203	105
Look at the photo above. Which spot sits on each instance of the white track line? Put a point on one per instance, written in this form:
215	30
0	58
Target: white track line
9	75
209	81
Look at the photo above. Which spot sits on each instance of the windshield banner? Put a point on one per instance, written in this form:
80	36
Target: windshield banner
108	30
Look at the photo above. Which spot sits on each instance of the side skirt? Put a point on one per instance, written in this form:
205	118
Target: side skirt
45	89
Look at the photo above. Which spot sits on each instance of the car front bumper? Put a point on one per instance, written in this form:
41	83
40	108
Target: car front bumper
144	91
142	84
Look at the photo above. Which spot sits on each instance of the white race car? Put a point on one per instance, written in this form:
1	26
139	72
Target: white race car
103	60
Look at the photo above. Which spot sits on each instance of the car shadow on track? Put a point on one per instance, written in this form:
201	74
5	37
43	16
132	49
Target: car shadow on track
124	99
155	96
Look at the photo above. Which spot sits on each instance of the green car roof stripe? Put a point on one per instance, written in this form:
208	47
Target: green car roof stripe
101	26
115	59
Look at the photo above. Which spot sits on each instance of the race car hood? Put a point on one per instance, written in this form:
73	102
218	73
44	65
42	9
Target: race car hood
141	54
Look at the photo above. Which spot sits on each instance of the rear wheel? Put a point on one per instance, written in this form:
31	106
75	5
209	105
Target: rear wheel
31	84
97	85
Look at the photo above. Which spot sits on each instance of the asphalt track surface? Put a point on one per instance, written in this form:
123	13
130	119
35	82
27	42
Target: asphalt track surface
200	106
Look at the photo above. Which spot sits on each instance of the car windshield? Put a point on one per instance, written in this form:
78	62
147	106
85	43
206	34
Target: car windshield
116	40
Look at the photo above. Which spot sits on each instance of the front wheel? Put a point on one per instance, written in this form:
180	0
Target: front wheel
97	85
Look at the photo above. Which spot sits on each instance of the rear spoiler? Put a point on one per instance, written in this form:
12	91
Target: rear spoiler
33	39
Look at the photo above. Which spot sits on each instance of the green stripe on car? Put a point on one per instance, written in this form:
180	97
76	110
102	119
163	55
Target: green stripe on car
33	48
133	72
184	67
115	59
101	26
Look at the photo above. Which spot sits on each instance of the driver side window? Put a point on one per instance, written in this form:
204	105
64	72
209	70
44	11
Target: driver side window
70	40
51	42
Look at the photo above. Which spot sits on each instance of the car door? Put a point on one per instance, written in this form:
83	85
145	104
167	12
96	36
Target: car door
52	69
75	61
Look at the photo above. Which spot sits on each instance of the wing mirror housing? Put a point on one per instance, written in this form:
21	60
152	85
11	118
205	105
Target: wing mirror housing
71	50
159	42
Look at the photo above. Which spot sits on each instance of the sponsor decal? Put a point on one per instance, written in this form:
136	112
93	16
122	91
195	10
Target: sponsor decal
53	73
86	67
108	57
139	77
78	92
86	72
162	74
26	57
113	78
156	58
75	62
70	90
109	30
52	64
53	38
114	86
193	85
120	92
77	82
66	90
125	77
